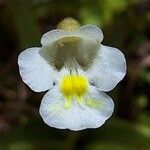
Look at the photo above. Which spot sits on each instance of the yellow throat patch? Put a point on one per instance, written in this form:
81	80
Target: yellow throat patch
74	85
77	86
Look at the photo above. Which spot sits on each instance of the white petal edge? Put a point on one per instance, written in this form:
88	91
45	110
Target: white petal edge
35	71
53	36
108	69
77	117
91	31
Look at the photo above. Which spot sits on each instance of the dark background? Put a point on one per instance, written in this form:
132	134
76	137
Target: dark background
126	25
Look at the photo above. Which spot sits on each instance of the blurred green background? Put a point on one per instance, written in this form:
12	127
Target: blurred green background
126	25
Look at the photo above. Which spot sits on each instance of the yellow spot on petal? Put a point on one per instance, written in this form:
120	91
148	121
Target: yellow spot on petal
93	103
80	99
68	103
74	85
68	24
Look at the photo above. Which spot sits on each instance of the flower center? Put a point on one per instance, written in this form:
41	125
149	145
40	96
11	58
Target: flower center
74	86
63	42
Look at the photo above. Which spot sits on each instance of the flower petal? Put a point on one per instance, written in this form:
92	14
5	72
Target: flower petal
91	31
86	31
77	117
108	69
53	36
35	71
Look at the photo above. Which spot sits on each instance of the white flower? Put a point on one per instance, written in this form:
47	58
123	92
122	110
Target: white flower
76	68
